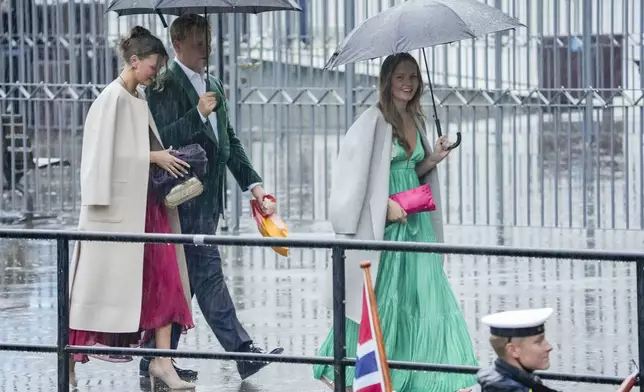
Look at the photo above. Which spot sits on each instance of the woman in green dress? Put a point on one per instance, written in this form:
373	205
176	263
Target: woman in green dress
420	316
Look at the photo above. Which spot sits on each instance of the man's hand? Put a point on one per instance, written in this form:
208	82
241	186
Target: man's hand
258	192
268	205
207	103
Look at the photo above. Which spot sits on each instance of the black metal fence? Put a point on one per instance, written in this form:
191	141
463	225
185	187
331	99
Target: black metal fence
338	247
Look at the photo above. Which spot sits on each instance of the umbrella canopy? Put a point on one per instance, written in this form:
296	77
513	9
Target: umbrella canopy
226	6
132	7
179	7
417	24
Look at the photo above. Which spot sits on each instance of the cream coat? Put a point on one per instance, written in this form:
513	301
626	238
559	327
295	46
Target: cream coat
106	278
359	194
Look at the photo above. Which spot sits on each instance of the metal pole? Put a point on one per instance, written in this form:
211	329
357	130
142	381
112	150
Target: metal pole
587	78
235	107
640	317
220	75
641	128
349	75
220	46
498	131
587	10
63	314
339	317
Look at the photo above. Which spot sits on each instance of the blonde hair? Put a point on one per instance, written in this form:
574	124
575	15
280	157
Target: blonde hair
159	80
500	343
386	103
186	24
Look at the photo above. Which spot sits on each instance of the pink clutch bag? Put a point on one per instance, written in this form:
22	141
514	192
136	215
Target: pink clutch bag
415	200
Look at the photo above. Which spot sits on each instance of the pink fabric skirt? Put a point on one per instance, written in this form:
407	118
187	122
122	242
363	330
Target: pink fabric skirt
163	300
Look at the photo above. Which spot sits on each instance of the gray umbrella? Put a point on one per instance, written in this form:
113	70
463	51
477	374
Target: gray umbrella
418	24
132	7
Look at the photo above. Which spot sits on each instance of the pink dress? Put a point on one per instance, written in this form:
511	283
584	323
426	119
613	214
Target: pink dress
163	299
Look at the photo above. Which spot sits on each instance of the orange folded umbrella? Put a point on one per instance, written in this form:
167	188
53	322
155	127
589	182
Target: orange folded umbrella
270	226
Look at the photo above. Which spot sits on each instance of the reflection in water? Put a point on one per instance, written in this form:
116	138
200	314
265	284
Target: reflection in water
280	300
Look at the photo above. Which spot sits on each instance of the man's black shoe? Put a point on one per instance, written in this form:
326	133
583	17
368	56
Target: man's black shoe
248	368
184	374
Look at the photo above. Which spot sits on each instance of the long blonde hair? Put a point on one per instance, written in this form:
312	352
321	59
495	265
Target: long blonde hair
386	103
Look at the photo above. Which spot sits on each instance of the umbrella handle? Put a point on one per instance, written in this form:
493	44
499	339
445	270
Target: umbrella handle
457	142
208	43
439	131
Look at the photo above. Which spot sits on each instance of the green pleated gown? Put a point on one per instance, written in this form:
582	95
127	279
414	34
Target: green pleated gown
421	319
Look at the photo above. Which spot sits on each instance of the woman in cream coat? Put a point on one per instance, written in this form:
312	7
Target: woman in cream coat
386	152
124	293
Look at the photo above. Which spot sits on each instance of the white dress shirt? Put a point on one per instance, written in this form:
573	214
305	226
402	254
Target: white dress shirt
198	81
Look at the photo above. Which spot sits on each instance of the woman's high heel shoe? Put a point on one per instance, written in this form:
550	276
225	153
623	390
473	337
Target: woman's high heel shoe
331	385
73	381
171	380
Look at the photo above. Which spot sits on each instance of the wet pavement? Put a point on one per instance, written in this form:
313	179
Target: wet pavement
532	168
279	300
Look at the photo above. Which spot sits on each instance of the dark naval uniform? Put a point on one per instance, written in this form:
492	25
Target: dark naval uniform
503	377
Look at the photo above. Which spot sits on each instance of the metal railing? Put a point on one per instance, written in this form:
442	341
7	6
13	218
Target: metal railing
338	247
541	168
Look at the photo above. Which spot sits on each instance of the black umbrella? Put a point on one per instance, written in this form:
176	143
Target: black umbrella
177	7
180	7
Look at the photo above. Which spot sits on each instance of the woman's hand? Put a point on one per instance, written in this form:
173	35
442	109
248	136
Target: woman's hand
170	163
441	149
395	213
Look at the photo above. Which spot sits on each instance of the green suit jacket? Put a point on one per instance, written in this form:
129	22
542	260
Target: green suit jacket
174	108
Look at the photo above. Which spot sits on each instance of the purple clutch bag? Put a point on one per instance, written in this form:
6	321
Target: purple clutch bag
162	182
415	200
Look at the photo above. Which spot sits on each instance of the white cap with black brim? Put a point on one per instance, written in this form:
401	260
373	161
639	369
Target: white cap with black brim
518	323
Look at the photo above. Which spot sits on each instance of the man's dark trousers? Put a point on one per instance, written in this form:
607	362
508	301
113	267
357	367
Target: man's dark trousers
207	283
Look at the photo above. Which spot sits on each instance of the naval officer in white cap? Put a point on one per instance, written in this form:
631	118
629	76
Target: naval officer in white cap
519	340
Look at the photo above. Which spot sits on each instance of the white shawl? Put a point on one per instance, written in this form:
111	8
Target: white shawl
359	193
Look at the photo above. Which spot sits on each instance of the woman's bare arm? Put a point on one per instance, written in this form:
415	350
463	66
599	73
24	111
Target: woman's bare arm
426	165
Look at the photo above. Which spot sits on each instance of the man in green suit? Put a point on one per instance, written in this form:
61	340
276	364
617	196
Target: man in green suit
185	113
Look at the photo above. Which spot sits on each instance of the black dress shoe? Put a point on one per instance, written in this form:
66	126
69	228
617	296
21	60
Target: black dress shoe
184	374
248	368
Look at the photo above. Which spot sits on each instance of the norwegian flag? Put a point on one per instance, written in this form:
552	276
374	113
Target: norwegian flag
370	375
